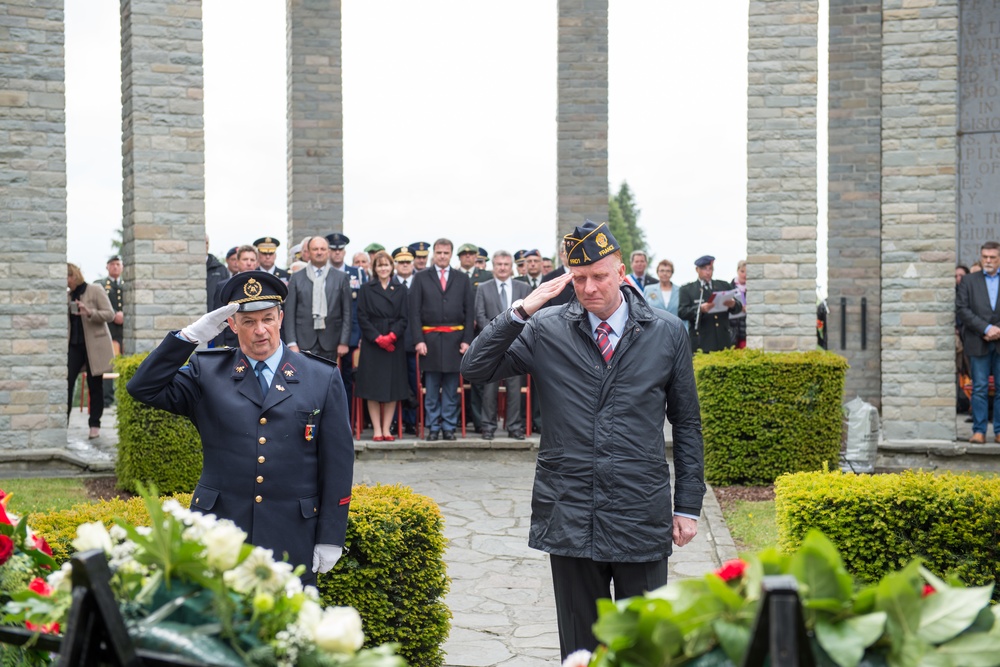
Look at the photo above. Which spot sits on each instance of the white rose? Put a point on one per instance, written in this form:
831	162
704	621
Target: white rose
222	545
339	631
309	617
579	658
92	536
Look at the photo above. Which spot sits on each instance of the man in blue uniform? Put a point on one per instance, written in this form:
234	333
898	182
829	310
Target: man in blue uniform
278	452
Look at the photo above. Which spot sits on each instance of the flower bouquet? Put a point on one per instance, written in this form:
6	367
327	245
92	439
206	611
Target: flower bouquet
189	585
908	618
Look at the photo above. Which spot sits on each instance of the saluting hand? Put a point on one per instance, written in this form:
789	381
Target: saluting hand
209	325
544	292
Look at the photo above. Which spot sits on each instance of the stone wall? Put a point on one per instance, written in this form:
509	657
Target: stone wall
582	114
163	167
919	113
33	221
781	175
854	195
315	119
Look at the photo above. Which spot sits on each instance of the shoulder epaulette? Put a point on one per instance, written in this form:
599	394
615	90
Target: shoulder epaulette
215	350
319	358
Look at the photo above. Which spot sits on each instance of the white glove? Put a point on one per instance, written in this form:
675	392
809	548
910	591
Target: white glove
210	324
325	556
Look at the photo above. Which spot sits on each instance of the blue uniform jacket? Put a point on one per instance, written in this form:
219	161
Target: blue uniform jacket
288	493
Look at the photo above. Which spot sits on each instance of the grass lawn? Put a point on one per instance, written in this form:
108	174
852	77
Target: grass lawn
32	495
750	516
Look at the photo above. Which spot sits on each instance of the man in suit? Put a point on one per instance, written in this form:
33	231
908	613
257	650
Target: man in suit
532	268
114	287
356	277
319	306
267	250
976	304
442	315
278	451
639	264
492	298
709	331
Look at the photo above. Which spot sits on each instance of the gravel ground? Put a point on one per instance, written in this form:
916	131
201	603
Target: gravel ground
728	495
103	488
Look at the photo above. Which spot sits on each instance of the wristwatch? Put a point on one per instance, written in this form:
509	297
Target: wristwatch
518	307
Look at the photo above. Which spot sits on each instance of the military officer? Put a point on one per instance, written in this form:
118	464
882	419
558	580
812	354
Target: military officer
114	286
467	254
709	331
267	249
278	452
532	260
420	250
519	263
357	277
482	257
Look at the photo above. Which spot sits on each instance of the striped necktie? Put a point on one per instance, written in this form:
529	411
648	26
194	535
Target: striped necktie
604	341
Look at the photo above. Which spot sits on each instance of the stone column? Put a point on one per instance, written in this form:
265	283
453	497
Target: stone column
582	114
163	167
919	113
854	195
33	312
781	175
315	119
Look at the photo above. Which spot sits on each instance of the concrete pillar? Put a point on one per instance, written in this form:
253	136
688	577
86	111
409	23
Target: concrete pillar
781	175
854	195
582	114
33	313
919	112
163	167
315	119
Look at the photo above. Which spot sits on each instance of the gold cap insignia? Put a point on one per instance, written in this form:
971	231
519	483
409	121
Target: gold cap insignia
252	288
601	240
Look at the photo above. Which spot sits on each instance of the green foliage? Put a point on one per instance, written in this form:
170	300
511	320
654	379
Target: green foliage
59	527
45	494
623	219
752	524
393	572
154	447
768	413
881	522
909	618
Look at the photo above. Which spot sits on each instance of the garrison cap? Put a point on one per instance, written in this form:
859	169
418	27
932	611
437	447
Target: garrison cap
531	253
254	290
519	257
232	251
589	243
337	241
420	248
374	247
402	254
267	245
483	254
703	261
468	248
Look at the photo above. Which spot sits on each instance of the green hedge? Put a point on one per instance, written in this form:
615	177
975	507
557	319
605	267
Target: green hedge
768	413
881	522
392	571
155	447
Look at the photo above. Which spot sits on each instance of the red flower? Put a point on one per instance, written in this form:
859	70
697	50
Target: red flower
928	590
40	586
3	514
732	569
51	628
6	549
42	545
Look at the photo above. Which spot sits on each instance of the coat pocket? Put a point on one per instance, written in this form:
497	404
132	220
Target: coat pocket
309	506
204	498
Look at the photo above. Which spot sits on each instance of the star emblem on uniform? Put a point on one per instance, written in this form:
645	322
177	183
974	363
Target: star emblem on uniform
279	387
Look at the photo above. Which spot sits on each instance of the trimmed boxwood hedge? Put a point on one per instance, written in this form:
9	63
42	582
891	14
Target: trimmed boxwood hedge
155	447
392	570
881	522
768	413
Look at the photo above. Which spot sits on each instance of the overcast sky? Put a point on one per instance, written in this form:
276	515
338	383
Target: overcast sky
449	124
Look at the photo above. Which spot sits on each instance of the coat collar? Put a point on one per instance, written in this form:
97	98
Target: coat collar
638	309
288	374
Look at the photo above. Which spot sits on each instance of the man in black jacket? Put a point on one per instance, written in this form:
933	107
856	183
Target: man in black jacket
708	326
606	368
976	303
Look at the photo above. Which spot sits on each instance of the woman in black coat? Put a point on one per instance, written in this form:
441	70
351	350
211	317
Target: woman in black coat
381	375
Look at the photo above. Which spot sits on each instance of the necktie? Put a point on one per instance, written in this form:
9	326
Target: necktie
534	283
604	341
444	281
503	296
319	272
259	370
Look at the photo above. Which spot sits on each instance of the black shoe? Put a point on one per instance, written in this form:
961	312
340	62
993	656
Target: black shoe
448	435
409	429
487	435
516	435
434	435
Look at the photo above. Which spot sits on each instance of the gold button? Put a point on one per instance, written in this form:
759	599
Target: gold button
260	459
263	420
198	500
258	499
315	510
260	478
262	440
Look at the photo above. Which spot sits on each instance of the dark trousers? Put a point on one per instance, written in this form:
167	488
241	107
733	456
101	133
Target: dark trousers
513	421
410	414
77	361
580	582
